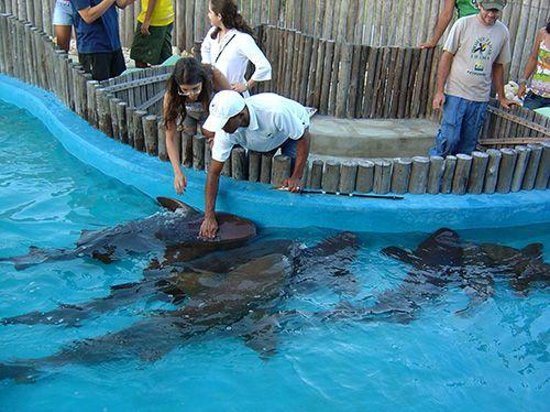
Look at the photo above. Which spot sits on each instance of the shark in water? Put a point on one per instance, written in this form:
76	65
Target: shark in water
174	231
236	293
443	261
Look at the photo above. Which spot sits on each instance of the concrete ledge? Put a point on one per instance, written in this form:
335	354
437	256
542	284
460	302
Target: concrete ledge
371	138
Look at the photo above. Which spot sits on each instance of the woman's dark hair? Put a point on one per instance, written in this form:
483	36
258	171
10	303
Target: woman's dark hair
231	18
188	70
548	27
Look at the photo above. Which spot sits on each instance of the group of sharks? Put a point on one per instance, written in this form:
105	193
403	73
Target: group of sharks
237	286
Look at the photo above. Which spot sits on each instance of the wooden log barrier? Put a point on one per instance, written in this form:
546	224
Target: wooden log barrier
150	134
420	170
254	166
348	176
521	166
161	132
448	174
265	170
480	160
91	86
226	170
103	112
382	176
280	170
199	143
331	177
121	115
493	167
239	166
315	174
506	172
401	175
532	166
137	126
543	173
365	177
187	155
462	173
113	105
435	174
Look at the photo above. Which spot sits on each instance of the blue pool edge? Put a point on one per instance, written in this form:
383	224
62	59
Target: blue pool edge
269	207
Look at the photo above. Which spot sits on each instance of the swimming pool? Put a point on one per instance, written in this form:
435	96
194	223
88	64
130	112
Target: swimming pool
495	358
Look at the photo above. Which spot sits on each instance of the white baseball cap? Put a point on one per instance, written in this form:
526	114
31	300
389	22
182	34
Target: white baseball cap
223	106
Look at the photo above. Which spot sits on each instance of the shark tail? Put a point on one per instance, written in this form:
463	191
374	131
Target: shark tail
37	256
18	373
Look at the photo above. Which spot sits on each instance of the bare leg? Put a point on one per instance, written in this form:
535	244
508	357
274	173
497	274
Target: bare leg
63	36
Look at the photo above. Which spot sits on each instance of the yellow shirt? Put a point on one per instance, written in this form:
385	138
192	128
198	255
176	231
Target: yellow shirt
163	14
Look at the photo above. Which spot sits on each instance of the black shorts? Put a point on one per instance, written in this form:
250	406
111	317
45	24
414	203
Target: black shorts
103	65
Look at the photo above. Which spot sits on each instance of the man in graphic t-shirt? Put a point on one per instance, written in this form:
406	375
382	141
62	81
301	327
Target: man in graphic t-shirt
474	55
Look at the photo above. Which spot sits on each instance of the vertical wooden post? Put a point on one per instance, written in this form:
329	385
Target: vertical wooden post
521	166
281	170
137	126
265	170
331	177
543	173
150	133
492	172
532	167
316	174
401	175
506	172
199	143
435	175
254	166
239	166
462	173
348	176
448	174
419	175
382	176
480	160
163	155
365	177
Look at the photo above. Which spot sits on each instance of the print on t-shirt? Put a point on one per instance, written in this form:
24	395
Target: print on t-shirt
481	53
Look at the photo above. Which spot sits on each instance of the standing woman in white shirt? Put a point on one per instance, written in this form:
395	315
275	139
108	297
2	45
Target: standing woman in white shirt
229	46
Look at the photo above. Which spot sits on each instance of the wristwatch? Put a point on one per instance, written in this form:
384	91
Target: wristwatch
522	81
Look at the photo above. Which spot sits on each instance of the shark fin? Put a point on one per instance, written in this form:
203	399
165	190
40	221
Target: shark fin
403	255
174	204
533	250
262	336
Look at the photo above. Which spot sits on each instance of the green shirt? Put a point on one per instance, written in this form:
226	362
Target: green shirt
466	7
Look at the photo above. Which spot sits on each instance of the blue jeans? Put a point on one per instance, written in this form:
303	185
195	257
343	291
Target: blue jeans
534	101
460	126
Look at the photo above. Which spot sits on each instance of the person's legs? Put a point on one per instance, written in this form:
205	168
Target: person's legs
118	65
288	148
448	137
471	126
533	101
63	21
98	64
166	51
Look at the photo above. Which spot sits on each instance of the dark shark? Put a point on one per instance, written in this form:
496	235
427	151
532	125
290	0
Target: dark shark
237	293
173	232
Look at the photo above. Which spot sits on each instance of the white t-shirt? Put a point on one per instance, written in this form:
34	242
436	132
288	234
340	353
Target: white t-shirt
231	56
273	119
475	47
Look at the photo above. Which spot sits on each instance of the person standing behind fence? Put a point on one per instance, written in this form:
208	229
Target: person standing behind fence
188	93
63	21
539	64
97	37
463	7
229	46
152	43
475	53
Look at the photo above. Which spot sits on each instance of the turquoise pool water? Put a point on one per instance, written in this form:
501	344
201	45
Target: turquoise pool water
496	358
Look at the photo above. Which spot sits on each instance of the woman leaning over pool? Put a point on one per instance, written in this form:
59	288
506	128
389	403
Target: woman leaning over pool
188	93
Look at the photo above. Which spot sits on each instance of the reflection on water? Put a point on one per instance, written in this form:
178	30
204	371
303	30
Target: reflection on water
317	318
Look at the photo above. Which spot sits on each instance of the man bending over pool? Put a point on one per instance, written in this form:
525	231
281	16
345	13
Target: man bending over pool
263	123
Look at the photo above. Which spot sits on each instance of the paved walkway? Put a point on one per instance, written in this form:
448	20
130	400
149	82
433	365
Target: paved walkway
370	138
